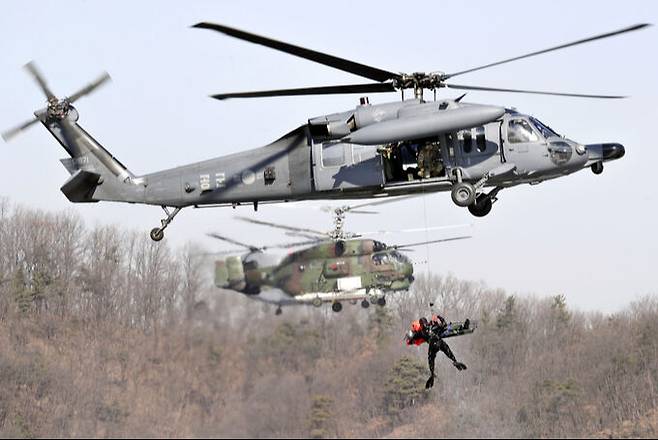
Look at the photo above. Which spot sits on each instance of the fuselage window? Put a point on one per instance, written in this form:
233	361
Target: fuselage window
480	139
333	155
468	142
519	131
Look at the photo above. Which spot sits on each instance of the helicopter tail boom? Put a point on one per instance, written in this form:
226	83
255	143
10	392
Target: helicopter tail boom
95	174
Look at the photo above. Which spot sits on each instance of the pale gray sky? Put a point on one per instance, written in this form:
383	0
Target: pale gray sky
592	238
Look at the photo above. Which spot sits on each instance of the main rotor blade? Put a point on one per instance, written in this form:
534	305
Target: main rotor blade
232	241
90	87
550	49
222	253
411	230
534	92
312	55
280	226
7	135
297	244
404	246
327	90
39	78
383	201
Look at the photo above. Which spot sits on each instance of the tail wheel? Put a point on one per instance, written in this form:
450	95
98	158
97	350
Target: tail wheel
336	307
157	234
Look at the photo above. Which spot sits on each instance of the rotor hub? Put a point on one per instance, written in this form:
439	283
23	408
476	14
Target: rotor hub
58	108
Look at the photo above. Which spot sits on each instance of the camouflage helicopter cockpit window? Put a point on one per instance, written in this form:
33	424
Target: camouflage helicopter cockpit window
380	259
520	131
400	257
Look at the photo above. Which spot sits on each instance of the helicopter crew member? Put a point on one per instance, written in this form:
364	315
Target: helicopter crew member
430	331
429	164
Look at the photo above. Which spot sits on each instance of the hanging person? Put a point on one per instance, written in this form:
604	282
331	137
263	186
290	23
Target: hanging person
423	331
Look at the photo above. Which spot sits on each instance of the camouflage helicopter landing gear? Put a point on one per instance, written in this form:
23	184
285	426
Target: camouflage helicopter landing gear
336	307
157	234
365	303
278	311
381	301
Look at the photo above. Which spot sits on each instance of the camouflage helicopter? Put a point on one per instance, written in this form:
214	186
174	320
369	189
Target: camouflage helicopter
335	266
389	149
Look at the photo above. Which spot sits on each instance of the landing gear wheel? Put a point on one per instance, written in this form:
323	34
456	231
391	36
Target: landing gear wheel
481	206
381	301
463	194
278	311
597	168
365	304
336	307
157	234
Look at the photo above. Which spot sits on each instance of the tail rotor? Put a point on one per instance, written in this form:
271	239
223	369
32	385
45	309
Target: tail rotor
57	109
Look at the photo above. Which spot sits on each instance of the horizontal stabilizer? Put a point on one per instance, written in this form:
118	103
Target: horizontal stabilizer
80	186
70	165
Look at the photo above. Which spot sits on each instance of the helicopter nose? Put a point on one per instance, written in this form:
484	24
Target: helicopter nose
612	151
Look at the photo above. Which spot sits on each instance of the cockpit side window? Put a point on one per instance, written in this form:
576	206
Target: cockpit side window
520	131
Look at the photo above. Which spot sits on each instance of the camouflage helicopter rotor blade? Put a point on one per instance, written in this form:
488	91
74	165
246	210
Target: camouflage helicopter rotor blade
233	241
301	235
356	209
412	230
281	226
296	244
403	247
222	253
385	201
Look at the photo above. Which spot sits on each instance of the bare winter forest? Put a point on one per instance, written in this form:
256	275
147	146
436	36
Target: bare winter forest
104	333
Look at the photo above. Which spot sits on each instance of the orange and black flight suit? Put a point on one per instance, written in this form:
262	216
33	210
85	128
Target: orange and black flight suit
430	332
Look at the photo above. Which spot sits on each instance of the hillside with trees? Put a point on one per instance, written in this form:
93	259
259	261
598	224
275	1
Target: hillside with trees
104	333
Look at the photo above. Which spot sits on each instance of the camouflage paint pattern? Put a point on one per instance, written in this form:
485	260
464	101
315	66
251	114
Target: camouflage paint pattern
320	269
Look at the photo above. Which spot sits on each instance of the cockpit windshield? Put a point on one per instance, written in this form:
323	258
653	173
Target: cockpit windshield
381	259
544	129
400	257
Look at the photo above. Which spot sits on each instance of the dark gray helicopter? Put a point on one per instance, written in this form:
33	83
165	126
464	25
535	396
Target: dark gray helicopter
390	149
